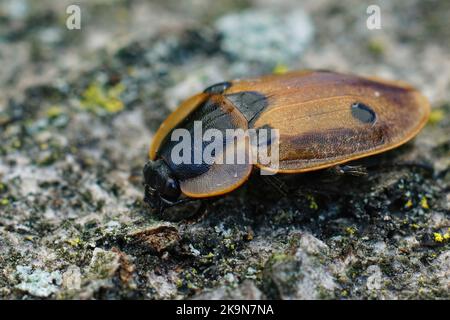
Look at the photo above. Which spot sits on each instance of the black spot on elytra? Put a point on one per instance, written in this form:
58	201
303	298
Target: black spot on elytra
363	113
249	103
218	88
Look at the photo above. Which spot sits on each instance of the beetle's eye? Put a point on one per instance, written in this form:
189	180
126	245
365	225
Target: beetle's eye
171	189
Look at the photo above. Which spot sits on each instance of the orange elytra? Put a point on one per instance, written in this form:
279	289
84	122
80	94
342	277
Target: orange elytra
322	118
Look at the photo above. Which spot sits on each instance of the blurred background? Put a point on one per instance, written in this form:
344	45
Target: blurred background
78	108
412	42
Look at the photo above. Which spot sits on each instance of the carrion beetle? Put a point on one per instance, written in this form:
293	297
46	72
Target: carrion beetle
322	119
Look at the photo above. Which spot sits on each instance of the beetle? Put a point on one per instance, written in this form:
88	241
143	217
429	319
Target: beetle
323	119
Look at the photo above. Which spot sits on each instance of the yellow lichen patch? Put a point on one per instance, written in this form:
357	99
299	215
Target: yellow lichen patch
436	116
54	111
415	226
96	98
74	242
351	230
447	235
376	47
424	203
280	69
209	255
312	202
438	237
4	202
409	203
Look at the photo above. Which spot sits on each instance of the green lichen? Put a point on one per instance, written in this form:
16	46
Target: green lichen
99	99
436	116
312	202
351	231
376	47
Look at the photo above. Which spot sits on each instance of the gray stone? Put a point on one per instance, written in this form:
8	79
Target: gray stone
266	36
38	282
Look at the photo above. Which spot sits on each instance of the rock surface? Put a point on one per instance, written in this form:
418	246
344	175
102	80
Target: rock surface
78	110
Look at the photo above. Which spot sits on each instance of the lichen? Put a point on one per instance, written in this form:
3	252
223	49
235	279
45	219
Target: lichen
38	282
97	98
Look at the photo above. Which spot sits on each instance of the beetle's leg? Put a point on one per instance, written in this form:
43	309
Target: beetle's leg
166	204
194	215
384	161
351	170
181	201
201	209
277	184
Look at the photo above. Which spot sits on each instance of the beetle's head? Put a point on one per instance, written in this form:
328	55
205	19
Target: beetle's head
161	187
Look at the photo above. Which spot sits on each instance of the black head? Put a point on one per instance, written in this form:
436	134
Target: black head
162	189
